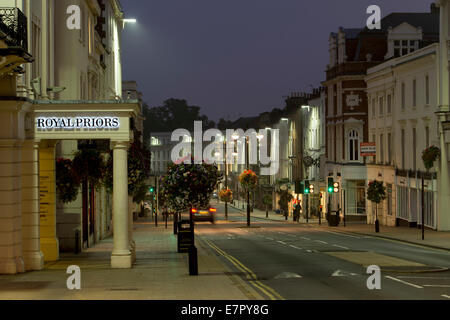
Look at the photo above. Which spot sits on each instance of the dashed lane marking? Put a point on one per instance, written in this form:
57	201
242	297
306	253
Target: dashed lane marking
319	241
445	296
282	242
304	238
404	282
292	246
436	285
338	246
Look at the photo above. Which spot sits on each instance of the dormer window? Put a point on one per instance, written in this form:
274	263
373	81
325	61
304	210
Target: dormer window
403	39
403	47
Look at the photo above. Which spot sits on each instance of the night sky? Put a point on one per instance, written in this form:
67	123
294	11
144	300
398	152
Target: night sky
236	57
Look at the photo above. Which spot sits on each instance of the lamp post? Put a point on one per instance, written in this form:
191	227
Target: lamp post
226	174
248	189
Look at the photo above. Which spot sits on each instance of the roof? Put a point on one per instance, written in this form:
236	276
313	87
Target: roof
427	20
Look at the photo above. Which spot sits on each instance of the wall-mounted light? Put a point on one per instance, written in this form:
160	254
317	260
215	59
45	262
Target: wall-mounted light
129	20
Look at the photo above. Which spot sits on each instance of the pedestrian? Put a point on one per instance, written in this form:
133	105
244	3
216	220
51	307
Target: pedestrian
297	212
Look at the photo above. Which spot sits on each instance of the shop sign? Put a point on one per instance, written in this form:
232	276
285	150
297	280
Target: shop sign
368	149
74	123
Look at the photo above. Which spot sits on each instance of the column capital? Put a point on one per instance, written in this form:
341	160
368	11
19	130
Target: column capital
120	144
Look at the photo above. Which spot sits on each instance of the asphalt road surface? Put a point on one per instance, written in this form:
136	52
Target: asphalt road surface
297	262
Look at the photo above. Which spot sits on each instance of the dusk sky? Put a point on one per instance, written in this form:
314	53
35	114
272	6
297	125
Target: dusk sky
236	57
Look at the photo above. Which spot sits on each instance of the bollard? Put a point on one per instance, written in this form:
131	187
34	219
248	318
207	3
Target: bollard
175	223
193	262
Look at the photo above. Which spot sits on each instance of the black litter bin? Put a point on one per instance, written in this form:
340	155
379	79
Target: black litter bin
185	235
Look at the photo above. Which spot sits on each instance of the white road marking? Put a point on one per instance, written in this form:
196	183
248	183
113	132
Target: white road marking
305	238
445	296
295	247
411	277
342	234
338	246
338	273
269	238
308	251
287	275
319	241
281	242
404	282
436	285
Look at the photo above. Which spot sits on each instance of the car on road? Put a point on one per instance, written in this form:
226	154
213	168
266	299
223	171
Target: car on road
204	214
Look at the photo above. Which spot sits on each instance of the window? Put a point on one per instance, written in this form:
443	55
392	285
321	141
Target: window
427	90
389	148
353	145
427	137
83	28
36	51
403	96
414	148
374	110
381	106
381	148
404	47
389	104
403	148
389	199
414	93
374	139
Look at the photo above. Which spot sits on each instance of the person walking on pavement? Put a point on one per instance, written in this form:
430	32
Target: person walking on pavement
297	212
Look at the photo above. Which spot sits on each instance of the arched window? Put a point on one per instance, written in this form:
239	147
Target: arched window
353	144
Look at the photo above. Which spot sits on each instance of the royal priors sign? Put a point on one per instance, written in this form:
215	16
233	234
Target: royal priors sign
77	123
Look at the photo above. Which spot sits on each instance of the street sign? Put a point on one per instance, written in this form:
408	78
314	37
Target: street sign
368	149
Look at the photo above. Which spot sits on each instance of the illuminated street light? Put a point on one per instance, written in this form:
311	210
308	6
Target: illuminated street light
129	20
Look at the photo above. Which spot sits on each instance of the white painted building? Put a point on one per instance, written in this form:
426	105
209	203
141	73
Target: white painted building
77	70
403	96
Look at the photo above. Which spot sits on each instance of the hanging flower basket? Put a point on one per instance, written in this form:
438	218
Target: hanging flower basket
66	181
248	179
226	195
376	191
430	155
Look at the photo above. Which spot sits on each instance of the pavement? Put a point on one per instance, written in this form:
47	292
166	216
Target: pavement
160	273
433	239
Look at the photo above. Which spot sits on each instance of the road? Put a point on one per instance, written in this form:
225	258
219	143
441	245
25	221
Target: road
291	261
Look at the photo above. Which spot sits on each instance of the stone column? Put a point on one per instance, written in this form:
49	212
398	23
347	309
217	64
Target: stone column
47	187
121	257
11	261
443	216
31	246
130	228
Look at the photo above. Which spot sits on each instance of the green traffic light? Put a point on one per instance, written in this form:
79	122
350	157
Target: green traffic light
330	190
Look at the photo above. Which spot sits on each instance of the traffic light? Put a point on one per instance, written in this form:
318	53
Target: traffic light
152	189
336	187
307	187
330	185
299	187
311	188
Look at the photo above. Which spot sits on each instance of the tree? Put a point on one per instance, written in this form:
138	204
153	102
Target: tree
283	202
173	114
267	201
188	185
376	193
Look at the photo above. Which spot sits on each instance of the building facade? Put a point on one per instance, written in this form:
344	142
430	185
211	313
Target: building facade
403	99
70	73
